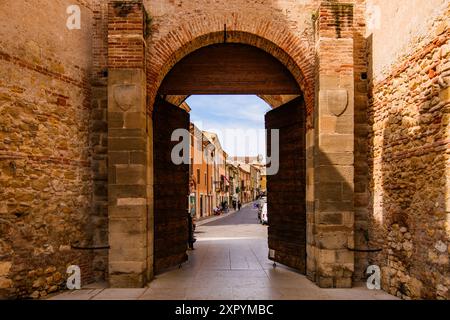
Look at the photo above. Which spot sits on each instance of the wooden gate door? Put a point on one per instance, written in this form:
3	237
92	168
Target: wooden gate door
286	190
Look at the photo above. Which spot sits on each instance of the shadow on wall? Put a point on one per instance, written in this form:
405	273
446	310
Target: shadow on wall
361	131
333	222
409	181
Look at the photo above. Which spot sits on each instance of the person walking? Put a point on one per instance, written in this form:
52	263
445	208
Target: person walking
191	227
239	205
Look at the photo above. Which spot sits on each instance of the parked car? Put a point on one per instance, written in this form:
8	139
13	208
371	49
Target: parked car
261	203
264	219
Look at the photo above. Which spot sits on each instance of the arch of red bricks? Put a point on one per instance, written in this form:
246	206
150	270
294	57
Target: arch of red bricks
272	37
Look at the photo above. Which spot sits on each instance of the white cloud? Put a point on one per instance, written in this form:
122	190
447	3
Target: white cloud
237	120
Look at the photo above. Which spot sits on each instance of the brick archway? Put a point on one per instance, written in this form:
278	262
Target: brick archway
277	40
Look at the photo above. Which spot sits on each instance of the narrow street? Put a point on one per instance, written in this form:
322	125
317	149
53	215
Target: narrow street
230	263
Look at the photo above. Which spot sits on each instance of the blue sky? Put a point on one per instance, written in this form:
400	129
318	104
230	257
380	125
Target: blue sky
237	119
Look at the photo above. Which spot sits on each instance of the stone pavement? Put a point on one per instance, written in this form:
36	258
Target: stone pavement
230	262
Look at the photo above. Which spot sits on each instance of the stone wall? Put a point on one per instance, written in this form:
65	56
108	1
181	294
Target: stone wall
409	151
45	159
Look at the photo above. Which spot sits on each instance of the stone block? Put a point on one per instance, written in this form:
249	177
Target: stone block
131	202
118	157
115	120
100	189
330	218
329	191
3	208
125	191
138	157
326	256
127	240
128	254
128	280
333	206
338	158
327	124
348	219
135	120
415	287
325	282
361	199
347	192
444	95
126	90
5	266
332	240
127	225
336	143
344	256
343	283
130	174
337	173
329	81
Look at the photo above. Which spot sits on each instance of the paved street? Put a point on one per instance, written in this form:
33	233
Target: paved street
230	262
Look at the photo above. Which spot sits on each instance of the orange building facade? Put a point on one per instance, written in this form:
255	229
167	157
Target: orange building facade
201	198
